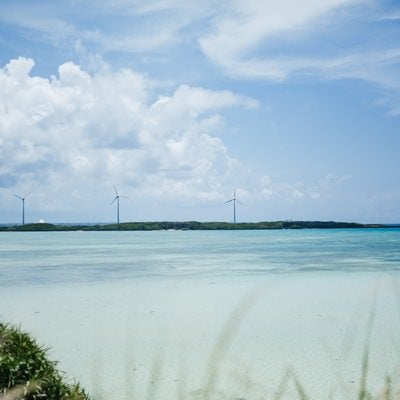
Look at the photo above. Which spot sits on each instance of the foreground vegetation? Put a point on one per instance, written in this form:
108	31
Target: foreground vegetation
193	225
27	373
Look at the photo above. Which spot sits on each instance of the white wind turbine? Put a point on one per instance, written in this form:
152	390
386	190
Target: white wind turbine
116	199
23	205
234	200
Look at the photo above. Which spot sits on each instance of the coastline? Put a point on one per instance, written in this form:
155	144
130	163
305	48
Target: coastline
193	226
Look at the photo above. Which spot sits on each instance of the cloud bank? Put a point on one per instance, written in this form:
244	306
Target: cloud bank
76	130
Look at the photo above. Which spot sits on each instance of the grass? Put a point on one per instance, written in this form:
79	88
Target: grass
27	373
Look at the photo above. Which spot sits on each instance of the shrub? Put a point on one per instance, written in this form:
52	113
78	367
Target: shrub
27	373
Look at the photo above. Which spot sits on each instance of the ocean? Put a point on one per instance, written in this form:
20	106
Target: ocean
156	314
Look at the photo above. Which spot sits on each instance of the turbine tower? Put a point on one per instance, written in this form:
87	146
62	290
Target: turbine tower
116	199
23	206
234	200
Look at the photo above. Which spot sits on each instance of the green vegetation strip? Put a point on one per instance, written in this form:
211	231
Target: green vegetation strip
193	225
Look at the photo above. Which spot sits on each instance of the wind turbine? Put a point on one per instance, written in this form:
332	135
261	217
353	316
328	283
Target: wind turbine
116	198
234	200
23	206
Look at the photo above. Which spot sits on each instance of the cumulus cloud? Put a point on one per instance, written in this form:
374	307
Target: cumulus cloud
77	131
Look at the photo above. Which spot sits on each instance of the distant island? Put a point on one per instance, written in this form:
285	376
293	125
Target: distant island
192	226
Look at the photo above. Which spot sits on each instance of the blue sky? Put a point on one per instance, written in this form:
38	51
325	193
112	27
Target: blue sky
295	104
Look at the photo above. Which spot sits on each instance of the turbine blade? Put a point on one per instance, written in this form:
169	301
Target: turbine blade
21	198
229	201
115	198
116	191
28	194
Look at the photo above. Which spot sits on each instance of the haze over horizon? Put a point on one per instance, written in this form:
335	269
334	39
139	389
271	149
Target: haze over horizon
295	104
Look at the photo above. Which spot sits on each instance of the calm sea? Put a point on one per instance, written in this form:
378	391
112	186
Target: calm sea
110	304
45	258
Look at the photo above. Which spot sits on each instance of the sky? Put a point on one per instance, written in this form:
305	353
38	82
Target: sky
293	104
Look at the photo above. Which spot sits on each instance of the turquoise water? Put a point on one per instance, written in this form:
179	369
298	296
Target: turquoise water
45	258
109	303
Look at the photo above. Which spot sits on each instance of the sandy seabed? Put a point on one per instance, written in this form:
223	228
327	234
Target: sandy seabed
162	338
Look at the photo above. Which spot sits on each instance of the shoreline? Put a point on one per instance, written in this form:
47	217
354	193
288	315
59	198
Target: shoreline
194	226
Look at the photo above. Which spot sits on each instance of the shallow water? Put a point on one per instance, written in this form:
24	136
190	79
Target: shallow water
59	257
110	304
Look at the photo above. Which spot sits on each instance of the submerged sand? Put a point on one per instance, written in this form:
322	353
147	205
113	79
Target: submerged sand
161	338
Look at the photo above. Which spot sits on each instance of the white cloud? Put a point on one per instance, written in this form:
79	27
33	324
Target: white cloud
77	132
391	16
276	41
328	185
233	41
247	39
109	26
